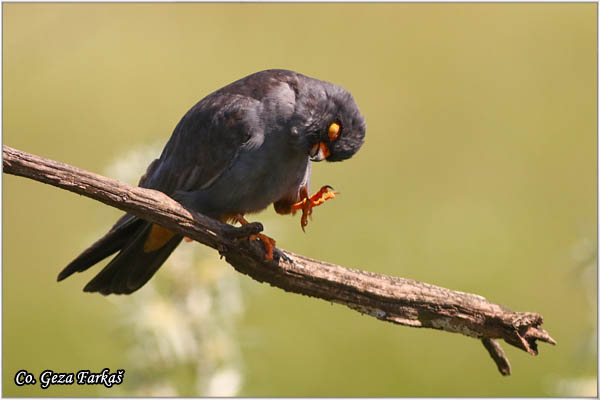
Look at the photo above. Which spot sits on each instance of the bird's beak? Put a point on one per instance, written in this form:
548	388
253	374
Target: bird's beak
319	152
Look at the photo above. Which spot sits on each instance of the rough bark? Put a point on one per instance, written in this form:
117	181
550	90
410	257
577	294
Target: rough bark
387	298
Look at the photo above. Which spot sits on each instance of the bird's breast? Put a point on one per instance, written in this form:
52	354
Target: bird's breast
257	178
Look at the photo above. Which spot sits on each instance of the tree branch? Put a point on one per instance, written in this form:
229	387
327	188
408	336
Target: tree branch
392	299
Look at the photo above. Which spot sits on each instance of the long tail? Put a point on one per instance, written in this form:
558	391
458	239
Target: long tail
144	247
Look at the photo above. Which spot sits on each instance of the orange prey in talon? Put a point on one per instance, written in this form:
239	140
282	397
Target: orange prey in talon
307	203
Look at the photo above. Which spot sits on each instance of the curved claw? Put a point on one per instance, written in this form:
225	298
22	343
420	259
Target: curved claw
280	255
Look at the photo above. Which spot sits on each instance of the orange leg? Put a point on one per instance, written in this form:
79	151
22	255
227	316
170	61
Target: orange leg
307	203
267	241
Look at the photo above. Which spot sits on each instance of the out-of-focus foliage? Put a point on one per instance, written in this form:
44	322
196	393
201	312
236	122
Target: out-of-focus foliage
478	174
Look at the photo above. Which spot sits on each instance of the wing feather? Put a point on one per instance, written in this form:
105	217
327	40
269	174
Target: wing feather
204	144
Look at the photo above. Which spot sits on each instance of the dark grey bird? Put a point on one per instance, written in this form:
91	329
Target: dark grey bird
238	150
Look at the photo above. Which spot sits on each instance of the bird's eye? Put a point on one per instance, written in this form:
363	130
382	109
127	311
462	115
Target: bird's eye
334	131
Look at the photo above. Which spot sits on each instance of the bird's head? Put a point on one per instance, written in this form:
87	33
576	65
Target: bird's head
322	118
340	128
333	125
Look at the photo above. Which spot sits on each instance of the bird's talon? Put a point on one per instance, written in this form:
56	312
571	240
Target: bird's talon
307	203
268	242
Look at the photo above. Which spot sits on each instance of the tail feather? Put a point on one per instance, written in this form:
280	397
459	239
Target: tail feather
132	267
113	241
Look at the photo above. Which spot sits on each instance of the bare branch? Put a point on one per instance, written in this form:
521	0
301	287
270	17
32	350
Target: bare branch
392	299
497	354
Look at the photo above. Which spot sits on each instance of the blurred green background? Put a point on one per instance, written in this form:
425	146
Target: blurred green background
478	174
